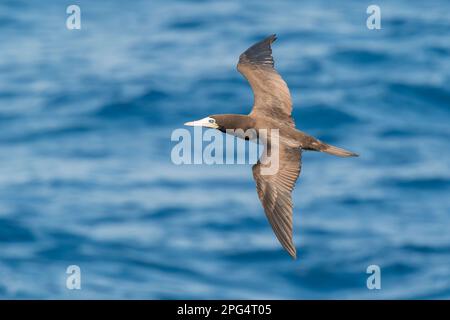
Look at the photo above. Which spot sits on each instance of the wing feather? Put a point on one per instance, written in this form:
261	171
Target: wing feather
275	190
271	94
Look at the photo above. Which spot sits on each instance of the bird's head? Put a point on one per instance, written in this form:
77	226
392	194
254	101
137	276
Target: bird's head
223	122
208	122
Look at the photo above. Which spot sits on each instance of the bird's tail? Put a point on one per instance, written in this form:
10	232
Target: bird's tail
320	146
335	151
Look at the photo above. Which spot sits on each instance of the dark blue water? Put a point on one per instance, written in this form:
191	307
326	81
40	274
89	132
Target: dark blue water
86	176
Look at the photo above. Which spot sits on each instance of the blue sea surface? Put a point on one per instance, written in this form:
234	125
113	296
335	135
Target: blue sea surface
86	176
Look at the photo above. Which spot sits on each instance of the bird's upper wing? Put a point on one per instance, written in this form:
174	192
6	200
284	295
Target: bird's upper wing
274	191
271	94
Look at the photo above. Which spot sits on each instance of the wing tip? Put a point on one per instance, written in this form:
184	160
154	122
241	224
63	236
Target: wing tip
273	37
270	39
259	53
294	255
292	251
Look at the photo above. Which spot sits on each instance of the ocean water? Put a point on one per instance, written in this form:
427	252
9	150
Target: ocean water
86	176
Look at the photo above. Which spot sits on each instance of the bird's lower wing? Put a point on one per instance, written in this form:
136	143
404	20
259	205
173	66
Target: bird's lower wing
274	191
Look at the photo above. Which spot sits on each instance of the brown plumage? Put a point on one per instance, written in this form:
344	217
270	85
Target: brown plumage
272	109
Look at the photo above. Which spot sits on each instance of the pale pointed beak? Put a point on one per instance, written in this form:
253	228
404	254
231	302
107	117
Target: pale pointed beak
205	122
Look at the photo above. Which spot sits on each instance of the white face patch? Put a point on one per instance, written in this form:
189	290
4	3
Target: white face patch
205	122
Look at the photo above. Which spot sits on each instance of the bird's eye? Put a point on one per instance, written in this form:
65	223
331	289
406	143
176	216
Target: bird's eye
211	121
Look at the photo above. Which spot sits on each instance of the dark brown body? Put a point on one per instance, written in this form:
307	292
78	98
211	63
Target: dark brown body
288	135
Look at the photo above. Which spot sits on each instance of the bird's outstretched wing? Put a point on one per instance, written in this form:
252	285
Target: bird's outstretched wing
271	94
274	191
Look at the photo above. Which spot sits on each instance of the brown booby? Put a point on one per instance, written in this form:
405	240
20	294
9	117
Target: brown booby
272	109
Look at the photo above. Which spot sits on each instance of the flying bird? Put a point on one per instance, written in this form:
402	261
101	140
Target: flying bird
272	108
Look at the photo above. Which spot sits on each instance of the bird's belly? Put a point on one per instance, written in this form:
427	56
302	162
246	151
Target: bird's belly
249	134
